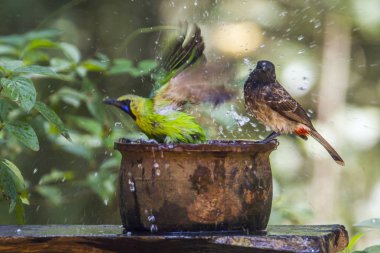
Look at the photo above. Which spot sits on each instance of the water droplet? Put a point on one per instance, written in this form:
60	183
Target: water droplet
18	231
301	51
153	228
95	174
158	172
118	125
139	166
151	218
129	233
156	165
301	37
248	62
205	14
35	170
253	124
195	3
132	187
374	220
105	202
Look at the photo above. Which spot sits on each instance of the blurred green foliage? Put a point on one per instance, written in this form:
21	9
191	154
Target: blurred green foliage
371	224
26	58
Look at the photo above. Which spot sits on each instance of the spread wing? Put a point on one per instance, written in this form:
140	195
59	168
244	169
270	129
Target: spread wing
189	78
280	100
181	51
206	83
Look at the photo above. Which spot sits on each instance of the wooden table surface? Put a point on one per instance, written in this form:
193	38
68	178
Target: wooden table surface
109	238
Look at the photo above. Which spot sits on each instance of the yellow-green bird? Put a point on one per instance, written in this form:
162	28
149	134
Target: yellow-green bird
160	116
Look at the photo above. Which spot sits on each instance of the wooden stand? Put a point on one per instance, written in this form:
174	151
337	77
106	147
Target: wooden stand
109	238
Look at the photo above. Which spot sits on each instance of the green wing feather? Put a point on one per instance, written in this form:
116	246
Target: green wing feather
181	52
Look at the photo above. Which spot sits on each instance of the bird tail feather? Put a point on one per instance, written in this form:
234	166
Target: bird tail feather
328	147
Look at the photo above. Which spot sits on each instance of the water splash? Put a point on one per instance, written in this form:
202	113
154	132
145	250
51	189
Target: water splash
249	63
240	119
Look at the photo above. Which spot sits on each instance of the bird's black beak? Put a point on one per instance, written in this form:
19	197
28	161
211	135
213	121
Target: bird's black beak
110	101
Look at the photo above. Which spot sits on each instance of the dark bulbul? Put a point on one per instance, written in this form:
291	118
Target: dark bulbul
273	106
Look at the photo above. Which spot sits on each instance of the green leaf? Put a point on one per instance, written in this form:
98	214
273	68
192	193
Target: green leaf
35	69
120	66
33	57
43	34
372	249
94	65
353	241
110	163
11	182
20	211
102	57
147	66
70	96
94	101
52	117
60	65
24	133
8	50
371	223
39	43
5	108
13	39
81	71
11	65
52	193
103	183
20	90
89	125
78	150
56	176
70	51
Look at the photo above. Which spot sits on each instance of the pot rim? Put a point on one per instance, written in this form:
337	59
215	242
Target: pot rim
211	146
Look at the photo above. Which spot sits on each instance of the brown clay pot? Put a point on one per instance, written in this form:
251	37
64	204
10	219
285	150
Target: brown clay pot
221	185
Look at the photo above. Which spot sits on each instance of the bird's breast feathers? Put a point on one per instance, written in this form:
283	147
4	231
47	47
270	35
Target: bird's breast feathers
274	120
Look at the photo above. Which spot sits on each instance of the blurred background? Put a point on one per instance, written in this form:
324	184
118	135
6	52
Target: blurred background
327	55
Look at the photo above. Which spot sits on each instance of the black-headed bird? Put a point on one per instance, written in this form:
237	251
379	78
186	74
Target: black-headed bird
185	78
273	106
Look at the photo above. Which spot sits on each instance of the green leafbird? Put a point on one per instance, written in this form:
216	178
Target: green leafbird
185	78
